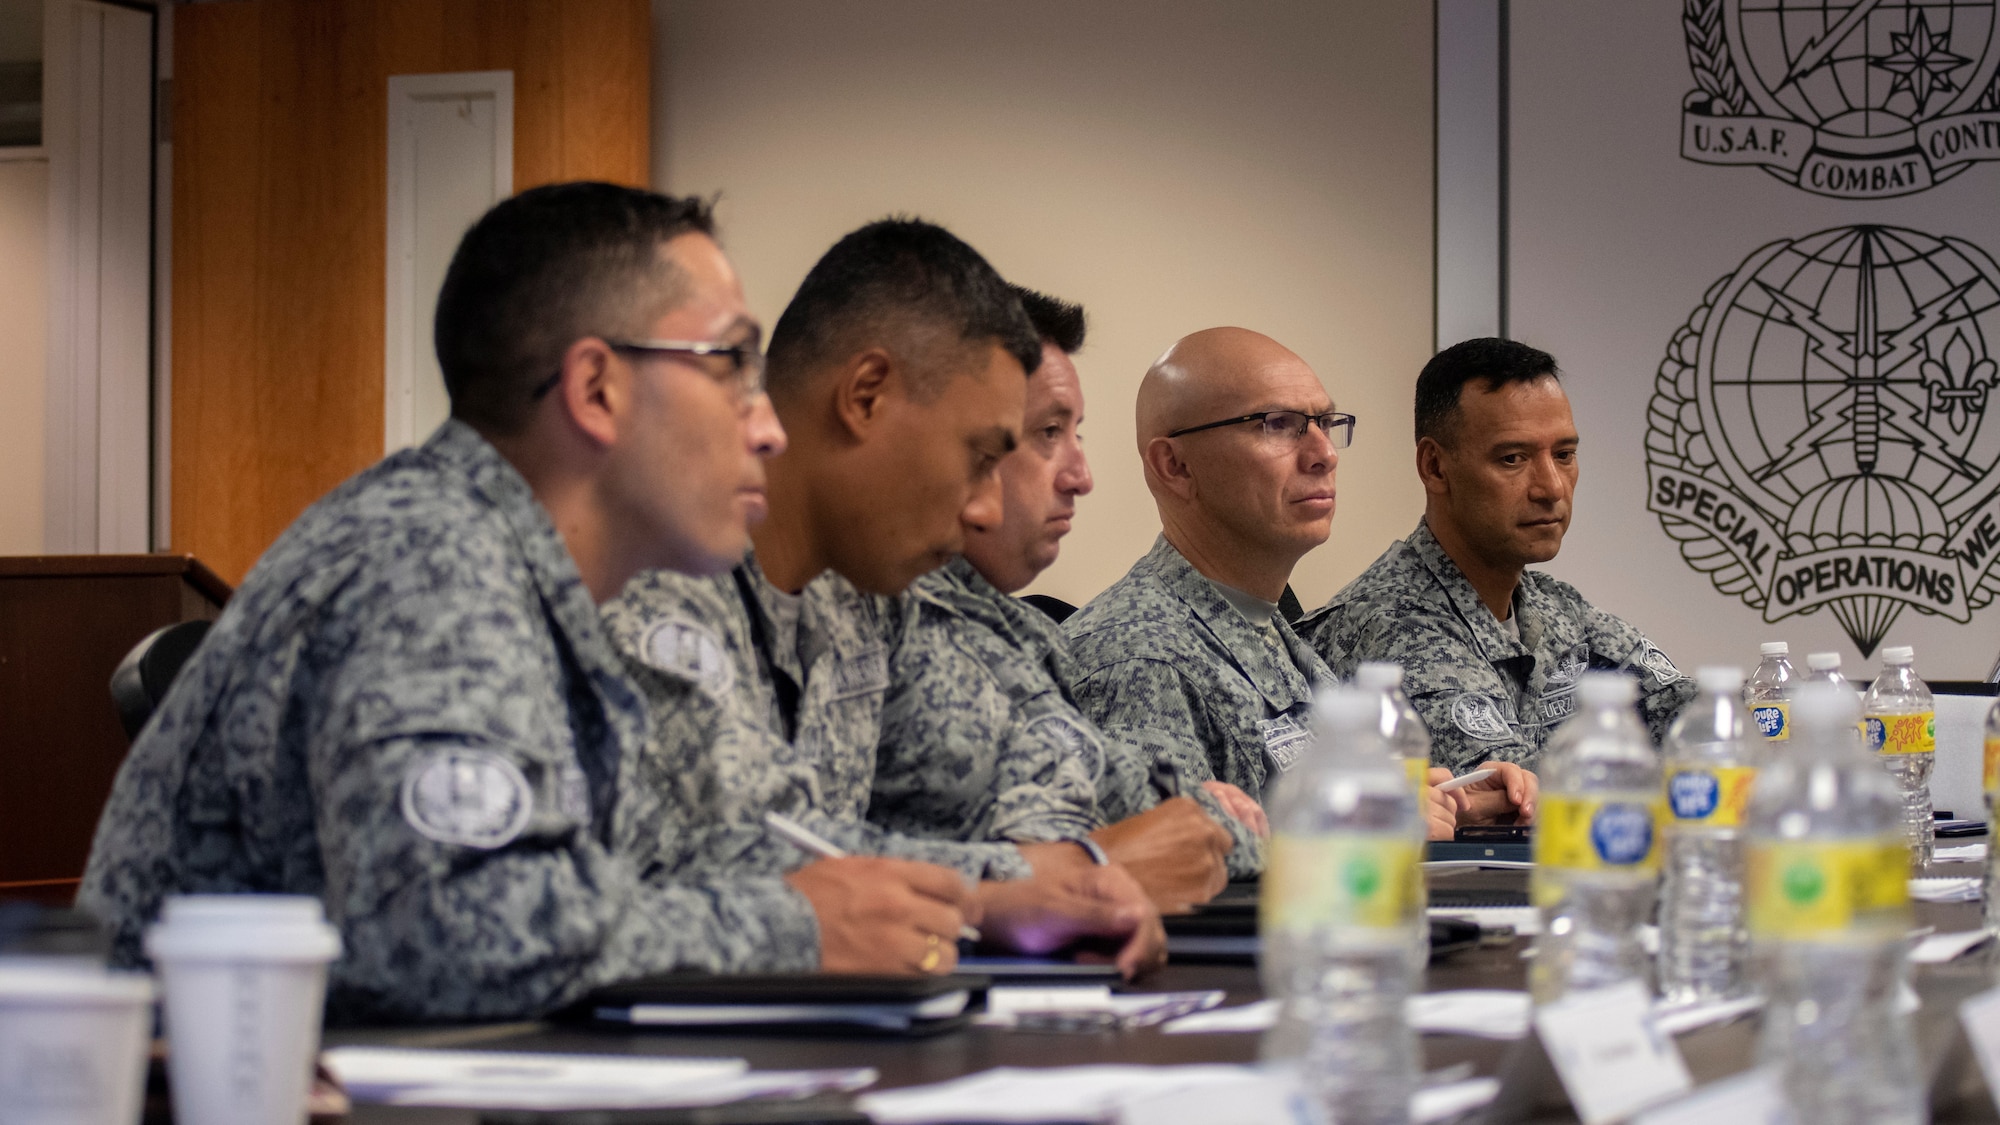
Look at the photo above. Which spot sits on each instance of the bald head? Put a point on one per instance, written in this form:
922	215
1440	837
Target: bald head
1244	500
1214	374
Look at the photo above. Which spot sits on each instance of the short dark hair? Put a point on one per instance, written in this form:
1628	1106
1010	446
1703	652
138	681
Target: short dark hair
886	278
542	270
1060	322
1492	360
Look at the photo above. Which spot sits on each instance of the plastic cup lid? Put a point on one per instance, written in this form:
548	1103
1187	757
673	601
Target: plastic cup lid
1377	675
251	927
47	983
1774	648
1718	678
1823	661
1898	654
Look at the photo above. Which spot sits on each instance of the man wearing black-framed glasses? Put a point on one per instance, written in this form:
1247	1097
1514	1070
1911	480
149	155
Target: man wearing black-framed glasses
1187	655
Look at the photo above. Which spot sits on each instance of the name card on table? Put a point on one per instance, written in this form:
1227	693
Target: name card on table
1980	1016
1601	1052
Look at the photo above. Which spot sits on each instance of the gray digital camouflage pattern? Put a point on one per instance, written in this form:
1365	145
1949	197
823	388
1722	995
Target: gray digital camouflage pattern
710	664
981	739
1165	664
1482	693
411	710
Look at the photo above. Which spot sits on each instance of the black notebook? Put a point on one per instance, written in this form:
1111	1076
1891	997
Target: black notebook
785	1001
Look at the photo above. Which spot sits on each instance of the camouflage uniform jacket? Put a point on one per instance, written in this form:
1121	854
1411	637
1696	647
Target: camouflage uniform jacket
981	738
411	711
1165	663
1482	693
718	678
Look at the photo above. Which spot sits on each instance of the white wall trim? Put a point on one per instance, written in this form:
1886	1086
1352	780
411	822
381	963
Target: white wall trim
1471	169
413	193
97	129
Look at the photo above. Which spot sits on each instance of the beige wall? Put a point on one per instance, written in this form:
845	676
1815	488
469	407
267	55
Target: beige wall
1172	164
24	240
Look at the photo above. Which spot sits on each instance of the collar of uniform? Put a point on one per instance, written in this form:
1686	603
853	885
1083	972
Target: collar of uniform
781	645
962	590
1493	641
459	448
1278	664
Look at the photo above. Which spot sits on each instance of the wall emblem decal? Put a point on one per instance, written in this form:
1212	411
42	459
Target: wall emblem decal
1857	99
1824	432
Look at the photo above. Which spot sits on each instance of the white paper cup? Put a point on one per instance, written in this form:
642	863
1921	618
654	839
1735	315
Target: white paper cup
73	1042
245	984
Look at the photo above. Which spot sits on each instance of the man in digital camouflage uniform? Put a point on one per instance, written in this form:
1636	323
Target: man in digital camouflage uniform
980	737
1187	657
899	370
1491	651
411	709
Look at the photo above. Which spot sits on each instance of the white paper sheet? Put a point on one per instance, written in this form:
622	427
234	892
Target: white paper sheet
1526	920
1939	948
1016	1096
1947	889
413	1076
1088	1007
1959	853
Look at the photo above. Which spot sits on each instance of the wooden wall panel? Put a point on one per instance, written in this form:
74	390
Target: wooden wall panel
280	134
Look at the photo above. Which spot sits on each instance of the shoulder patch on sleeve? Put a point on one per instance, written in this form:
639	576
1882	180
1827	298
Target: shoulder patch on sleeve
1078	741
691	651
1479	717
474	798
1655	661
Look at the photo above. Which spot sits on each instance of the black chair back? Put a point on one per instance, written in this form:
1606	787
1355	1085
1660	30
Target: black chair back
1056	608
143	677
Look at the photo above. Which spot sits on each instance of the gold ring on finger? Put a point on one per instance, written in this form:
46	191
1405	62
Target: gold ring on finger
933	954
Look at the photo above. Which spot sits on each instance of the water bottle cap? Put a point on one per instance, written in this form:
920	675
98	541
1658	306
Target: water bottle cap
1823	661
1774	648
1898	654
1822	706
1607	689
1720	679
1346	708
1377	675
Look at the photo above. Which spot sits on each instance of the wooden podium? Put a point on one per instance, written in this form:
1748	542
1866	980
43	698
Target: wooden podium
65	623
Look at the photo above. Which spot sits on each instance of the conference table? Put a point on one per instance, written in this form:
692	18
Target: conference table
1711	1053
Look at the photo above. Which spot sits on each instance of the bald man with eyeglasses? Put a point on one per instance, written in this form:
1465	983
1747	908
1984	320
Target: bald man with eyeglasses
1187	655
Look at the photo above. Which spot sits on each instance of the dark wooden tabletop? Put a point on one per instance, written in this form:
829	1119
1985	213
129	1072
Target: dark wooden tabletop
1711	1053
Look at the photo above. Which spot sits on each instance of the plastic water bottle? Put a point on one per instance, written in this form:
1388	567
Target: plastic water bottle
1829	908
1596	849
1338	918
1711	761
1992	788
1404	731
1769	691
1824	667
1402	728
1900	722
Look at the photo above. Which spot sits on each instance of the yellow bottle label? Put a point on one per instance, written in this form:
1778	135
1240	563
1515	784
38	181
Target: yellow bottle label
1901	734
1713	797
1993	765
1773	720
1357	880
1596	834
1419	770
1806	890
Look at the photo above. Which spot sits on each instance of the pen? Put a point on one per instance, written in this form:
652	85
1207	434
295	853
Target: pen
812	843
1473	778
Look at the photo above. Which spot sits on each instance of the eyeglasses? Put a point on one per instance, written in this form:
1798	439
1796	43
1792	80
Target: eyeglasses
744	378
1288	425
